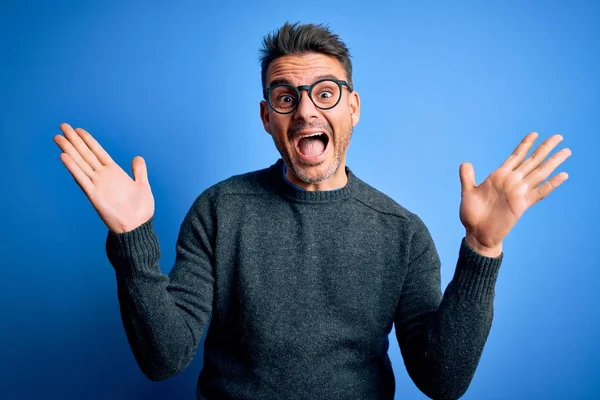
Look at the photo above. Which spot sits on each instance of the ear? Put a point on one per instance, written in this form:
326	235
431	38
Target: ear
354	104
264	116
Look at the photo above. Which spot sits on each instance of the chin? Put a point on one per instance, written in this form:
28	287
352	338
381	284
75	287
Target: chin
316	173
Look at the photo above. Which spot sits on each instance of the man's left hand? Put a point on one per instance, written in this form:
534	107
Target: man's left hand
489	211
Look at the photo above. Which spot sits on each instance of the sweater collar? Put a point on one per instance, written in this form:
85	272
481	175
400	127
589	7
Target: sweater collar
282	186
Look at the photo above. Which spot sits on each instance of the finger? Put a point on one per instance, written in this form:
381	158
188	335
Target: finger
467	177
546	188
519	153
538	156
140	173
541	173
94	146
79	145
80	177
66	146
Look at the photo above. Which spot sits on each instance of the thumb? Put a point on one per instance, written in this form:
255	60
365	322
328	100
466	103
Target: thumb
467	177
140	173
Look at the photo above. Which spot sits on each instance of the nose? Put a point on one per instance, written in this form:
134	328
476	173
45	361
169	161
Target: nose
306	109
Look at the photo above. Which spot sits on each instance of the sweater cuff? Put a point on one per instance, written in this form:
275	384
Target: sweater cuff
475	275
133	252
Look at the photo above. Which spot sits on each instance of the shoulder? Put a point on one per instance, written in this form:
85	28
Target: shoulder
245	184
380	203
411	225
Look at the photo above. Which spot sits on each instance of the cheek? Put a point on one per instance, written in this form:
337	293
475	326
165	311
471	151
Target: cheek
279	128
341	124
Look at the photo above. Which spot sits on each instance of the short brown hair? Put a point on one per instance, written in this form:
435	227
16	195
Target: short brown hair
297	39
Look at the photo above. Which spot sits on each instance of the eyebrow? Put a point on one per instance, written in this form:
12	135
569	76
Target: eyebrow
286	81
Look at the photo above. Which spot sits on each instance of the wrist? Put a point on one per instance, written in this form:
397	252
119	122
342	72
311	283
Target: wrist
478	247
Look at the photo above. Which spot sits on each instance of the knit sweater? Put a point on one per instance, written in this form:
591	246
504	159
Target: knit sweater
299	291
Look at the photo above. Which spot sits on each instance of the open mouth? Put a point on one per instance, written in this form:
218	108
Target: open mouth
313	145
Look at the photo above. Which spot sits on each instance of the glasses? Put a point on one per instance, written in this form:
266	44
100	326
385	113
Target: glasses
325	94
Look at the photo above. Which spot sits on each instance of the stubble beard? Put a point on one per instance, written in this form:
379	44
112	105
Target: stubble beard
340	151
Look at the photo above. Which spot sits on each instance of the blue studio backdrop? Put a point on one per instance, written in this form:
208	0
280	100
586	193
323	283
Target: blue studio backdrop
179	84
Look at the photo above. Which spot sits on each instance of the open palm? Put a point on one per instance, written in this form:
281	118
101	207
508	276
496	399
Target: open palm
489	211
122	203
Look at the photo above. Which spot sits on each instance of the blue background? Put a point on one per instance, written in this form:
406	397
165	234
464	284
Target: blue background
179	84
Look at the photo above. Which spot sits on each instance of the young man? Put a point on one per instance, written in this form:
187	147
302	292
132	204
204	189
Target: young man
302	267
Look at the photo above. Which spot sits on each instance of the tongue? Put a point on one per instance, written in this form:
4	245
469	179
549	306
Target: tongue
311	146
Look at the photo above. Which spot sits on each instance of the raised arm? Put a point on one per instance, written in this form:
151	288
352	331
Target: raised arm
441	338
164	316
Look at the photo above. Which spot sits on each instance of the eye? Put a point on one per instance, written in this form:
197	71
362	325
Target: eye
325	95
286	98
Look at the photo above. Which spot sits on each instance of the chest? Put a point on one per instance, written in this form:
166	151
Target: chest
310	270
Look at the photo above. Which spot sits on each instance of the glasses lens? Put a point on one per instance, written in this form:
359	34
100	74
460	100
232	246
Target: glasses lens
326	94
283	98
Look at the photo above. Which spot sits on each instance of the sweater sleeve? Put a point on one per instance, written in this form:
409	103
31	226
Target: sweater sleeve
164	316
441	338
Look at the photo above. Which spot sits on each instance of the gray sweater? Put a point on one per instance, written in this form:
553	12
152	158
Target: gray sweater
301	289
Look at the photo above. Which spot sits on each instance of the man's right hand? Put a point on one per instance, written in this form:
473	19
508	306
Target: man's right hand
122	203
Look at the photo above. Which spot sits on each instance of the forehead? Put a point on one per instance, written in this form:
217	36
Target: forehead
304	68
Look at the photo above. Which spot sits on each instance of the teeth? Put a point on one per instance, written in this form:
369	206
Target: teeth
314	134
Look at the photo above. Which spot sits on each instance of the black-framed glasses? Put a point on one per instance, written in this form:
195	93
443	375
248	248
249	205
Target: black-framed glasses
325	94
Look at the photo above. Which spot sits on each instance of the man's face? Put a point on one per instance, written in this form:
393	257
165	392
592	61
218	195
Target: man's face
317	162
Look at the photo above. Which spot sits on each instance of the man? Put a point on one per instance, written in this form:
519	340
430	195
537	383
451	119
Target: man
302	268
